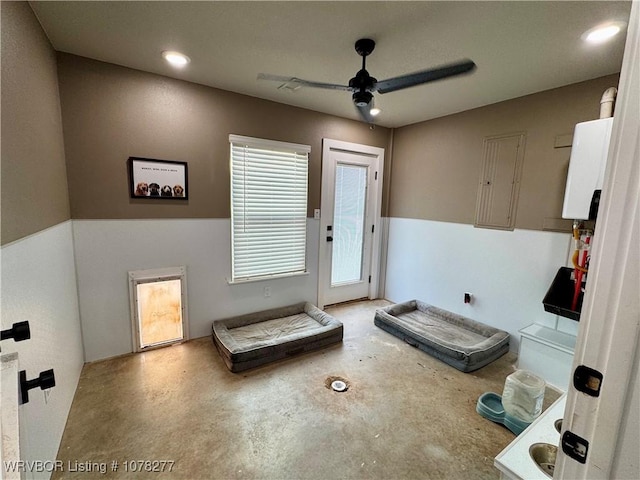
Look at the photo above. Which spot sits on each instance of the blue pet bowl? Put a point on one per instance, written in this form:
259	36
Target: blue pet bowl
490	407
514	424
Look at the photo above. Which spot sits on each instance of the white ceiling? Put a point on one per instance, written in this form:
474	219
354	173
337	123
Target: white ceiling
519	47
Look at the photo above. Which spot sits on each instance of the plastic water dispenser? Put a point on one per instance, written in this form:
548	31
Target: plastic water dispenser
520	404
523	395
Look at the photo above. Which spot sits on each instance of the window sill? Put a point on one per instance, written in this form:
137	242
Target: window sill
266	277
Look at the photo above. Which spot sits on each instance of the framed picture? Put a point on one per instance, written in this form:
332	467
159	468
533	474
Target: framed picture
158	179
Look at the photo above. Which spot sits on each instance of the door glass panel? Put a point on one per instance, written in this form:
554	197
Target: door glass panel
348	224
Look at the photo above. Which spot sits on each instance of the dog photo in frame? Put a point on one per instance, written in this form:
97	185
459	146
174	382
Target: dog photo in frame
158	179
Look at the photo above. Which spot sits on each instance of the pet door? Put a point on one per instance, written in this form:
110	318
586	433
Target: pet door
158	307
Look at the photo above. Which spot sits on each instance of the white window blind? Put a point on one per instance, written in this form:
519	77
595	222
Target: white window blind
268	207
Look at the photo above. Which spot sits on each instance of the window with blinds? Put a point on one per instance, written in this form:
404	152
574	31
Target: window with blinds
268	208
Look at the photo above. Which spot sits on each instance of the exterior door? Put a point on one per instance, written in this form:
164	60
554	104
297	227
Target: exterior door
350	209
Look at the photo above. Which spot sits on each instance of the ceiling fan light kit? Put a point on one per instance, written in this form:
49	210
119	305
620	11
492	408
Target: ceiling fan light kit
362	98
363	85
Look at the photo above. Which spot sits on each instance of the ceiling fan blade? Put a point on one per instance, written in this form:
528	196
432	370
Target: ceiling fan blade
303	83
425	76
365	113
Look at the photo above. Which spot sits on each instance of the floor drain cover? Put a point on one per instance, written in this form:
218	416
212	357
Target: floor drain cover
338	386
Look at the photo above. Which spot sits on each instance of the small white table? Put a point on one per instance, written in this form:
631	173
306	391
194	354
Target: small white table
514	462
548	353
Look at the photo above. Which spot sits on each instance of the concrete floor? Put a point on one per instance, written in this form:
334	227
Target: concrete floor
405	415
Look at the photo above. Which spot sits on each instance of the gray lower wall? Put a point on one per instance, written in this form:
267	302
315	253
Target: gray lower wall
437	262
39	285
106	250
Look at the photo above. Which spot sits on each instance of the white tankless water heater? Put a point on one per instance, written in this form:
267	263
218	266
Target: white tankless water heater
586	168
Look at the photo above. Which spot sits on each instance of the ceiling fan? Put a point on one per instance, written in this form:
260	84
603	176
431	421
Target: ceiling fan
363	85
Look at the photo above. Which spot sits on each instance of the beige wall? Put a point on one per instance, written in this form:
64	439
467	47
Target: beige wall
34	183
111	113
436	164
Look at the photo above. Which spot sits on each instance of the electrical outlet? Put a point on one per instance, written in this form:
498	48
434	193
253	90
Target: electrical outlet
316	214
267	292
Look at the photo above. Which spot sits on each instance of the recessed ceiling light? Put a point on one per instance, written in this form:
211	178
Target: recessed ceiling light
176	59
375	111
602	33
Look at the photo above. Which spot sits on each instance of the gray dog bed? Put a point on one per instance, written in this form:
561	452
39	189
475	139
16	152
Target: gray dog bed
251	340
459	341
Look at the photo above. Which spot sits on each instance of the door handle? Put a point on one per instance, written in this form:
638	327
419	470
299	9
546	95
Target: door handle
329	238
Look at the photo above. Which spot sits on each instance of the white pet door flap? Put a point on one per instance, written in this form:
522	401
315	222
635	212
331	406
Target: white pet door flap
158	307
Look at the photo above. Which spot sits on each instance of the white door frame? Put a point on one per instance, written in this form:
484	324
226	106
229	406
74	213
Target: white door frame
326	217
609	330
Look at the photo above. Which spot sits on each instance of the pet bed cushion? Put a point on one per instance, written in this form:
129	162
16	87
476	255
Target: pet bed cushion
251	340
459	341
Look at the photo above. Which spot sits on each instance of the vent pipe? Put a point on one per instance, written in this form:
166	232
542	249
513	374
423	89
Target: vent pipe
607	101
